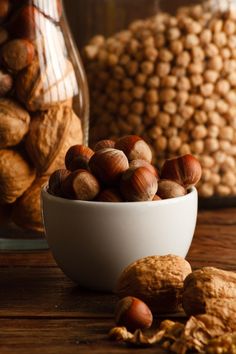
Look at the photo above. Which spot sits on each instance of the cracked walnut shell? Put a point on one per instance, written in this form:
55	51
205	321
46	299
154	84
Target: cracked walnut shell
14	123
207	284
26	211
51	134
16	175
157	280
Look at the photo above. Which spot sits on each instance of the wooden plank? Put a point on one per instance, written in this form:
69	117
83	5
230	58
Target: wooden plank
46	292
217	217
30	259
214	245
61	337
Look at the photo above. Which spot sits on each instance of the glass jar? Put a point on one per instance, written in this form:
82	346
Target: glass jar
171	79
44	110
105	17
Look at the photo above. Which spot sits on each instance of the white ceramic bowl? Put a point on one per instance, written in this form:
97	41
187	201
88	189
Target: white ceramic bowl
92	242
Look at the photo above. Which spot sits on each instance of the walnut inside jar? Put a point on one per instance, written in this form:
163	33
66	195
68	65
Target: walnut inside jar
51	134
171	79
14	122
16	175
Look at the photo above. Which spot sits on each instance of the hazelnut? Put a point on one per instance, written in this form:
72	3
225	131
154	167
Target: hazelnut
24	22
170	189
3	35
138	185
102	144
143	163
77	157
6	83
17	54
156	197
4	9
80	185
134	148
56	180
108	165
185	170
109	195
133	314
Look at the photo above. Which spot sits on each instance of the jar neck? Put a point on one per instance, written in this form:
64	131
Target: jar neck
50	8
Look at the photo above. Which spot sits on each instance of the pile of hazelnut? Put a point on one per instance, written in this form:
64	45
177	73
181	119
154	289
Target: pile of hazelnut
121	171
172	80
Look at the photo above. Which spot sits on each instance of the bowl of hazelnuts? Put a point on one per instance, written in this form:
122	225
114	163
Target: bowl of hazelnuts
111	206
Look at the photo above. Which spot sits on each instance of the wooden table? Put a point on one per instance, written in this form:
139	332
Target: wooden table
42	311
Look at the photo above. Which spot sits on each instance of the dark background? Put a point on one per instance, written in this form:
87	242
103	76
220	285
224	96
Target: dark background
90	17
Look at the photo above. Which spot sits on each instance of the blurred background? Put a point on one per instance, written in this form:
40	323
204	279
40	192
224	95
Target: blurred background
90	17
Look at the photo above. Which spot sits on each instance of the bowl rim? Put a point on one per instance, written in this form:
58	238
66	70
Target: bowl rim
46	195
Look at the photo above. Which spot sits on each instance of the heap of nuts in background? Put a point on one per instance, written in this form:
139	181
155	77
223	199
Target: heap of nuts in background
37	123
122	171
171	80
164	284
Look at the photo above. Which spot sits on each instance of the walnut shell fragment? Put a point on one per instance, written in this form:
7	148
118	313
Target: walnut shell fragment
50	136
206	284
202	333
220	318
27	209
16	175
41	88
14	123
157	280
222	344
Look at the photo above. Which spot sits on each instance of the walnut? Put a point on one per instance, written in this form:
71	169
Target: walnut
157	280
50	136
40	88
16	175
27	210
14	123
206	284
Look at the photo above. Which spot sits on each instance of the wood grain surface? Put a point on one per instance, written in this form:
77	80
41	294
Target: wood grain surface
42	311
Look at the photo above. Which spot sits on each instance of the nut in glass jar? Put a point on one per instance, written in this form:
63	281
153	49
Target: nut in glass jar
43	108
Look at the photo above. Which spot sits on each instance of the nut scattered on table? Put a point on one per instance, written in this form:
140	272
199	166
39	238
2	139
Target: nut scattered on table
209	298
133	314
157	280
207	283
